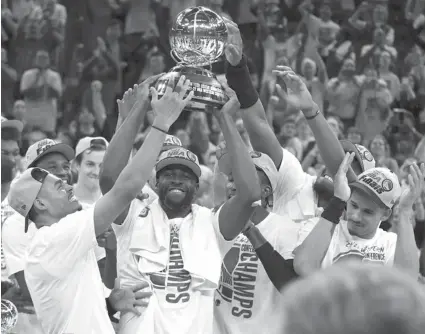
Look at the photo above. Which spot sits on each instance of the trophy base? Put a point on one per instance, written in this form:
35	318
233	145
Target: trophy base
208	91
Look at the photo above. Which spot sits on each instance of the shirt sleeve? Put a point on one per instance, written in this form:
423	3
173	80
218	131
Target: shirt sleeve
136	207
15	242
60	246
223	244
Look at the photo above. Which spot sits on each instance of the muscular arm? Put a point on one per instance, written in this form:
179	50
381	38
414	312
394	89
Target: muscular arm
119	151
279	270
236	211
264	140
310	254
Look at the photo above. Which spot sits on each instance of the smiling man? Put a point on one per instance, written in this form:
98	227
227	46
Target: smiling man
366	202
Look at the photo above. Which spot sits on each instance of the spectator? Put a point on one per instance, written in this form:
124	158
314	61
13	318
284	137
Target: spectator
19	111
8	170
370	54
392	80
9	79
43	28
343	94
381	152
41	87
354	135
10	139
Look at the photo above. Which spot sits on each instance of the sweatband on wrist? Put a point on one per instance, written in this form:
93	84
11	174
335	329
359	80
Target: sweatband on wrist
239	79
109	308
334	210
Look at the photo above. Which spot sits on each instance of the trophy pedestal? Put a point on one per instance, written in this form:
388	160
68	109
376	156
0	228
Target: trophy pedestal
208	91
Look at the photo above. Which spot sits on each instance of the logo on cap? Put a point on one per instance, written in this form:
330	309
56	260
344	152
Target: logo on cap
387	185
171	140
377	181
181	153
367	156
43	146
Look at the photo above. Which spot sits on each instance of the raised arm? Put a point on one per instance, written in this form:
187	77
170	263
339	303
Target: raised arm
121	145
236	211
310	254
135	175
406	254
355	20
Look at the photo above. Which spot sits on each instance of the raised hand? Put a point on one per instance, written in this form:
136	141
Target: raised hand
341	188
126	300
298	95
231	106
169	107
416	183
234	47
131	96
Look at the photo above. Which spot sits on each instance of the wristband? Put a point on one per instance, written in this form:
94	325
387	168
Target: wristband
309	118
239	79
160	130
334	210
109	308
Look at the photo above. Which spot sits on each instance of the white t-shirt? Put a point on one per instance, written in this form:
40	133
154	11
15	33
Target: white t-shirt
344	246
63	277
246	301
178	305
15	242
294	194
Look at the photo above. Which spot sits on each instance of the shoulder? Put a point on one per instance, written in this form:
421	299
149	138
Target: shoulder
386	236
13	225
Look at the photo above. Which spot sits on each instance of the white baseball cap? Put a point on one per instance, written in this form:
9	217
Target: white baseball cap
11	123
90	142
179	156
381	184
367	157
24	191
45	146
171	142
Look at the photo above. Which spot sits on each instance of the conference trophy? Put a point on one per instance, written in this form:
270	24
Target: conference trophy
197	40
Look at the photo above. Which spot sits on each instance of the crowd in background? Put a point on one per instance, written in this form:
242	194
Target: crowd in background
65	64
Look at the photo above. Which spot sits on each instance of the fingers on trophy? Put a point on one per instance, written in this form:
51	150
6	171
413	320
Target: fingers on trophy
198	39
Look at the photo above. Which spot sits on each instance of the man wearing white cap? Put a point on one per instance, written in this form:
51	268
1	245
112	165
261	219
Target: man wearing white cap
60	265
55	158
367	202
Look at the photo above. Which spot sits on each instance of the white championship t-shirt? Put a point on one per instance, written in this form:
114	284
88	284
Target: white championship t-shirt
294	194
246	301
178	305
63	277
344	246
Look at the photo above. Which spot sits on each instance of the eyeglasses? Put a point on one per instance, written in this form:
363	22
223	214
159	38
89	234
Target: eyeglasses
39	174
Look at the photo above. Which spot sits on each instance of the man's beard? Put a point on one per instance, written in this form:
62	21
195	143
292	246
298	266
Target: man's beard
167	201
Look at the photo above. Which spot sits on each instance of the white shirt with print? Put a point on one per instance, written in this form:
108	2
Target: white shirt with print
63	277
246	301
344	247
176	306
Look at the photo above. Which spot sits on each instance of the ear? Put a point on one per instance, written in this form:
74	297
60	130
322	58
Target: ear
267	191
39	205
387	214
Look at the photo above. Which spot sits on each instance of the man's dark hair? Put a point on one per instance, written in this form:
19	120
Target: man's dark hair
7	169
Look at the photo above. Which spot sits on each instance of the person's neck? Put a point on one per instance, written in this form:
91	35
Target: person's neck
87	194
182	212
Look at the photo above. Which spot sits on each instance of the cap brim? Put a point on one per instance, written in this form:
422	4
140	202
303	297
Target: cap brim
178	161
368	192
61	148
348	146
18	125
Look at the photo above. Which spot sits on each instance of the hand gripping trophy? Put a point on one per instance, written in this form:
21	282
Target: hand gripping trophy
9	316
197	39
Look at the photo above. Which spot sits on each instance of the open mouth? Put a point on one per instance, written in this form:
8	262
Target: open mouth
71	197
176	191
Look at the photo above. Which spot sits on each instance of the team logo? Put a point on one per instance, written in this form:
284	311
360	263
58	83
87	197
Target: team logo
144	212
191	156
44	146
367	156
255	154
387	185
